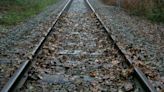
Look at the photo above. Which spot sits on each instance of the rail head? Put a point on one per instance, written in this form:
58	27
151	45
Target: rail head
138	73
23	68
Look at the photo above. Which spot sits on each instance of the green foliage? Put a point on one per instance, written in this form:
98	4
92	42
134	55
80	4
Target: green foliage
157	12
151	9
19	10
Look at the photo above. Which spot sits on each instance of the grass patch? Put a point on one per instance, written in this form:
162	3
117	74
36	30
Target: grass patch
150	9
16	11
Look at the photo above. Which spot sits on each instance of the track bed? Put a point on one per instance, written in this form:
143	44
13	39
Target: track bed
79	56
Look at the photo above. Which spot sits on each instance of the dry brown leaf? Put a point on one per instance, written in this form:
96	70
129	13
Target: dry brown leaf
127	72
147	70
115	62
92	74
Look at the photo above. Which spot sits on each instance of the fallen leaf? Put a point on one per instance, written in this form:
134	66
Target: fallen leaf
92	74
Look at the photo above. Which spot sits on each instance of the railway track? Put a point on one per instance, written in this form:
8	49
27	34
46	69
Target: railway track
78	54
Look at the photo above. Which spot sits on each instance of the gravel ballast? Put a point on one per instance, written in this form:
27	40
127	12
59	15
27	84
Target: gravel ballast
79	57
17	43
142	40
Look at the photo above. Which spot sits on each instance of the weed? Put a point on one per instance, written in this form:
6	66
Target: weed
16	11
151	9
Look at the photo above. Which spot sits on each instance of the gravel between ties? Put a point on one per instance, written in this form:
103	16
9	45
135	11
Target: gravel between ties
17	43
79	56
142	40
7	68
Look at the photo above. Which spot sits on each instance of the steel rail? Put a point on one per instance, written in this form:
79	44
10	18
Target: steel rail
19	73
137	72
13	82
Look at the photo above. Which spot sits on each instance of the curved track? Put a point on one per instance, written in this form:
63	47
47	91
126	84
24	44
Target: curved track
79	54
